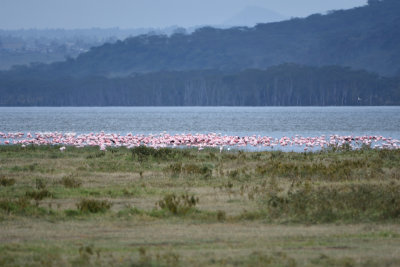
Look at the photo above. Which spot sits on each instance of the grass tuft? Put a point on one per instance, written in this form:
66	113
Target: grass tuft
6	181
178	205
39	195
20	206
71	182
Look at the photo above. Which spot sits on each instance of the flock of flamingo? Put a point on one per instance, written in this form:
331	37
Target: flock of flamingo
200	141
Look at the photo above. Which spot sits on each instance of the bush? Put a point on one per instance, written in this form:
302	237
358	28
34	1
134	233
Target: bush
93	206
11	205
221	215
39	195
40	183
6	181
70	182
21	206
178	205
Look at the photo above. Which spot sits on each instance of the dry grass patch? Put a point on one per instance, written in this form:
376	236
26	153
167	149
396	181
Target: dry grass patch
248	208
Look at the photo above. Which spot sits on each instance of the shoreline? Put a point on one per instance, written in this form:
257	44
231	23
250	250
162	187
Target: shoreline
200	141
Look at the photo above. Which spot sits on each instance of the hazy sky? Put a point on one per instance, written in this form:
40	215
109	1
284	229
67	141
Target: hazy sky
16	14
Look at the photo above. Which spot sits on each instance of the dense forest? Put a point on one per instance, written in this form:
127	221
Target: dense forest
347	57
278	86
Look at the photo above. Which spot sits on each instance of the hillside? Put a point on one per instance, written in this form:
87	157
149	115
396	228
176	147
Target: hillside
367	37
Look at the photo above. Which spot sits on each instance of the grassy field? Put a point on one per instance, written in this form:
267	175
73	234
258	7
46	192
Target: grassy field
183	207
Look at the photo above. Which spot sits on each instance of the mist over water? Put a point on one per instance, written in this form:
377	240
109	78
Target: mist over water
241	121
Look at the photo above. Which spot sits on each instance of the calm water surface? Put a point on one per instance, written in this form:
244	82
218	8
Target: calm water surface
270	121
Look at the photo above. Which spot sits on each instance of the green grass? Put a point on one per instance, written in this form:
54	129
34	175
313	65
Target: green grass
171	207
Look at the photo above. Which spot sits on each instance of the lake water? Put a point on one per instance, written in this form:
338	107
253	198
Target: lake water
242	121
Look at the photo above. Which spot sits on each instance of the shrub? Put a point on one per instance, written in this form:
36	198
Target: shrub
70	182
93	205
178	205
221	215
21	206
38	195
6	181
11	205
40	183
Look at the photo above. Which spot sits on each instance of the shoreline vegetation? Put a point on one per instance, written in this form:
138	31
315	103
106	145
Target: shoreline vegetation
178	207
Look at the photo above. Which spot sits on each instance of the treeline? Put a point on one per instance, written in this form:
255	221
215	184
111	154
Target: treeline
282	85
366	37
